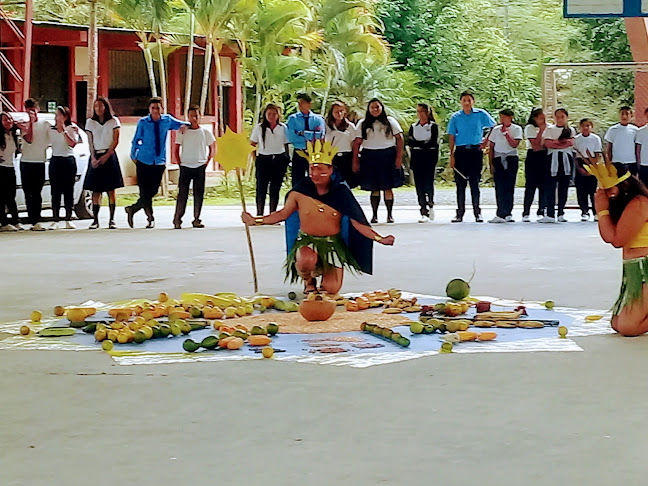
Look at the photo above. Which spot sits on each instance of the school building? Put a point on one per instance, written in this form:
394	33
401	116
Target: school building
49	62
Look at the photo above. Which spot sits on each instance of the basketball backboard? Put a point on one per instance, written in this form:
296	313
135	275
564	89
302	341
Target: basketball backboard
606	8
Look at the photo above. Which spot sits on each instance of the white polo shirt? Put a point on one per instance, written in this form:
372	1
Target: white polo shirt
7	155
36	151
622	139
275	140
502	145
377	139
342	139
641	138
195	145
102	134
588	145
552	132
60	147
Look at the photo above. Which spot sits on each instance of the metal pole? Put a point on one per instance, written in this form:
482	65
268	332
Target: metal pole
29	16
93	54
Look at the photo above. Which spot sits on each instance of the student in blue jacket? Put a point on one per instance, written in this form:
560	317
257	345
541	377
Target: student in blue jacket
303	127
148	151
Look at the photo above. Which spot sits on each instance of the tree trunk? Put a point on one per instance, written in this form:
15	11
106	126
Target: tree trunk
219	76
205	83
93	55
149	68
189	78
328	91
163	81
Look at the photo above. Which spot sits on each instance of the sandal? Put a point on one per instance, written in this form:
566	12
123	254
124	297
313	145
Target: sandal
310	286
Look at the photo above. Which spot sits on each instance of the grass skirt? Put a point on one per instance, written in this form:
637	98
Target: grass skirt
635	274
331	250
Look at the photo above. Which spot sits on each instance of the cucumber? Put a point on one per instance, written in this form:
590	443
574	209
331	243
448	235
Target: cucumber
197	326
90	328
57	332
78	324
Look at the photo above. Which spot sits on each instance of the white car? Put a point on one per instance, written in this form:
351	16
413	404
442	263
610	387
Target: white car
82	198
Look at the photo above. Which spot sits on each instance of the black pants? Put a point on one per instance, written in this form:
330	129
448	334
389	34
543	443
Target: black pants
32	177
535	169
299	168
643	174
469	162
585	190
559	182
149	178
8	196
270	173
62	175
188	174
423	163
505	184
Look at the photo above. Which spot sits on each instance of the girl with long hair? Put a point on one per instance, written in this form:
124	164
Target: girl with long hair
378	156
536	164
9	148
62	166
622	205
270	139
342	134
104	173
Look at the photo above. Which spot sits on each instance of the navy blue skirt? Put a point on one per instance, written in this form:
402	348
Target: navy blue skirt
106	177
378	170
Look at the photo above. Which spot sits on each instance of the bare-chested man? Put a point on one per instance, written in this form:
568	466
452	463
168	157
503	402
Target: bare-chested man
326	230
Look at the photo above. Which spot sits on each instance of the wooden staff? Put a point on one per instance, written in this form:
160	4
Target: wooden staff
247	232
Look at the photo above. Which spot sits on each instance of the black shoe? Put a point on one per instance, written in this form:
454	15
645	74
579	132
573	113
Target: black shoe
129	215
150	224
177	225
458	219
94	225
197	224
112	225
479	219
374	220
390	219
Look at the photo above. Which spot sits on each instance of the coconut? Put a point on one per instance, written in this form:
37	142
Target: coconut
458	289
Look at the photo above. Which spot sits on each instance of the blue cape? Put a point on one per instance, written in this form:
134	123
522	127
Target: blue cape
342	200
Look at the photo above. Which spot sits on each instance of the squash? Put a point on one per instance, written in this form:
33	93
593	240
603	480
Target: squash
351	306
224	342
180	314
235	343
487	336
467	335
212	313
259	340
317	310
117	310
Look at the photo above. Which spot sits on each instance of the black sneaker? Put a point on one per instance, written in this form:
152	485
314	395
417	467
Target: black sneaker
197	224
177	225
150	224
94	225
129	216
390	219
479	219
112	225
457	220
374	220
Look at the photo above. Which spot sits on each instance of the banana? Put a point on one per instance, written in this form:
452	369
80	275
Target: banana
593	318
530	324
392	310
413	308
505	324
484	323
498	315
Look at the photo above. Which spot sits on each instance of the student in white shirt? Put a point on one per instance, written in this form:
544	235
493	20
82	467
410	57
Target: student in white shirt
587	145
8	151
36	139
503	142
641	141
271	140
536	163
559	140
104	173
380	164
62	166
342	134
620	140
197	144
423	140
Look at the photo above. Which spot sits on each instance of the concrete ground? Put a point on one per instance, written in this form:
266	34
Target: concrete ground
506	419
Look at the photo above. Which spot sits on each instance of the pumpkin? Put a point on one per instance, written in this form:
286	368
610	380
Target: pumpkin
317	310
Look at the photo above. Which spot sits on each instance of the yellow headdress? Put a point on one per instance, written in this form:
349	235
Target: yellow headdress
319	153
605	172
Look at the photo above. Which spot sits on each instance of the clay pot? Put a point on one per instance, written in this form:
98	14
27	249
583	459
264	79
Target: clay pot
317	310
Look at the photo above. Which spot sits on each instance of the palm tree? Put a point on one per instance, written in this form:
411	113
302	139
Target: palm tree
215	19
93	55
